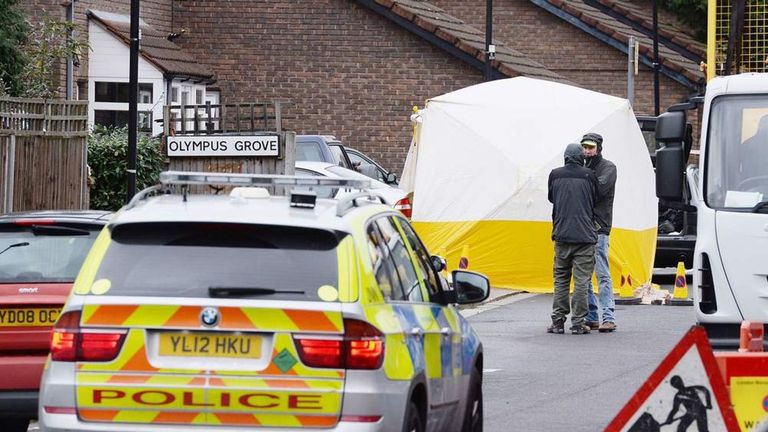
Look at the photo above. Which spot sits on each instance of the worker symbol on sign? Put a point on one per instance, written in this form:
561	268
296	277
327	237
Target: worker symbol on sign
696	400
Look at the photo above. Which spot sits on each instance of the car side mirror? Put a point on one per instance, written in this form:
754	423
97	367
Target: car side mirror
438	263
391	178
470	287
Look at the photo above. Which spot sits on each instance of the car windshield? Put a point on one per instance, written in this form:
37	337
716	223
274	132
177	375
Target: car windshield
44	255
188	259
737	152
309	151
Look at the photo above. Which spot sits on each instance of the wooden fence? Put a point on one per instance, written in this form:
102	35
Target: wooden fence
43	154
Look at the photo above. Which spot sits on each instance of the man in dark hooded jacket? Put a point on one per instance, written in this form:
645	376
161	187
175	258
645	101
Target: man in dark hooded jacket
573	193
605	171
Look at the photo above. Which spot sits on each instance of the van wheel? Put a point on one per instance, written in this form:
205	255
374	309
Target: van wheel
413	419
473	416
14	425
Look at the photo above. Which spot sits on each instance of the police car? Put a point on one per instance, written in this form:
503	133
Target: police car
198	312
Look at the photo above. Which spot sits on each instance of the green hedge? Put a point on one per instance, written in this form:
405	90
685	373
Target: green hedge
108	156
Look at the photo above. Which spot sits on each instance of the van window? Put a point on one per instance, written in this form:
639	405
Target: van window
186	259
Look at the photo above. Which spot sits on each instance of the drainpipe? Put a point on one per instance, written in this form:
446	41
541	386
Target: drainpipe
490	49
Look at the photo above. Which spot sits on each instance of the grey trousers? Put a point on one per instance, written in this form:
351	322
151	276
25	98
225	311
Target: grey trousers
577	259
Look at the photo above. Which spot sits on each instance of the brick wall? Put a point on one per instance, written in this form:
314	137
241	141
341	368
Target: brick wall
565	49
349	71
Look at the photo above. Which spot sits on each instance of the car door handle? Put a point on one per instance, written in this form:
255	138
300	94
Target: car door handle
417	331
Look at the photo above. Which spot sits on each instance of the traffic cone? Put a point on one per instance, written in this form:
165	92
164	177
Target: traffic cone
680	295
464	258
626	291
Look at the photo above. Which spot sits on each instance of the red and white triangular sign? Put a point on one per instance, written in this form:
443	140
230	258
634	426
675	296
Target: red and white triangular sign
686	392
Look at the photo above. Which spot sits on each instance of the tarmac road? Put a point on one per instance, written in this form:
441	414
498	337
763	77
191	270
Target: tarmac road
535	381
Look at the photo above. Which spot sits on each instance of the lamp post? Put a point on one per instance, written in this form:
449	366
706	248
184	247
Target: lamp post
133	95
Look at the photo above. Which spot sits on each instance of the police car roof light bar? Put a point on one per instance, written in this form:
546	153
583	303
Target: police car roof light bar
203	178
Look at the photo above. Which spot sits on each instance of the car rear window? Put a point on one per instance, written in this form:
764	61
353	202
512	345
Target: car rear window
44	253
188	259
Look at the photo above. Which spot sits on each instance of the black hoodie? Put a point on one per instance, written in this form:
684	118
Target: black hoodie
605	171
573	193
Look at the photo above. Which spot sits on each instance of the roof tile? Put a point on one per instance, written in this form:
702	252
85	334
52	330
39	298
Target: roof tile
468	39
619	31
154	47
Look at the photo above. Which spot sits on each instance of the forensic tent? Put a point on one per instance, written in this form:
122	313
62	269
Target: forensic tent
478	168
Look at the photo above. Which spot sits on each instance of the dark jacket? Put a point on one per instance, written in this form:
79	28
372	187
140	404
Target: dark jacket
573	193
605	171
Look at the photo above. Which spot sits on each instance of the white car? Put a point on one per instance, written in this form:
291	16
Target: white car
391	195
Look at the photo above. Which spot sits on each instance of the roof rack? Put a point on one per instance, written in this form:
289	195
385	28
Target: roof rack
227	179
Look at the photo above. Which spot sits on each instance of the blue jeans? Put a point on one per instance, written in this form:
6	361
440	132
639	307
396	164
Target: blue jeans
605	286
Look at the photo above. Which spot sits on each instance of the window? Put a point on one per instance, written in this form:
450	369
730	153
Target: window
174	95
146	260
111	118
401	258
119	92
737	152
338	154
145	93
47	257
119	119
423	259
366	168
309	151
199	96
383	267
145	121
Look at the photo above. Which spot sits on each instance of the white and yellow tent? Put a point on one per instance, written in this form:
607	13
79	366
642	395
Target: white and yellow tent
478	169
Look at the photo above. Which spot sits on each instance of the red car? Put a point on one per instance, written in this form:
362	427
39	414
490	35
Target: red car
40	256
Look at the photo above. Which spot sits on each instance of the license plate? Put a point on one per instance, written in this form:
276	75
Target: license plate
28	317
210	345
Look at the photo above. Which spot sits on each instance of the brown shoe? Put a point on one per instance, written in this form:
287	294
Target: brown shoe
606	327
593	325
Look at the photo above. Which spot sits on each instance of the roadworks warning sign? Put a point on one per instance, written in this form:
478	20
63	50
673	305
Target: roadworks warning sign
684	393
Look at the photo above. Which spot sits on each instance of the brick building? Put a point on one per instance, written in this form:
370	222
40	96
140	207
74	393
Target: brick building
354	68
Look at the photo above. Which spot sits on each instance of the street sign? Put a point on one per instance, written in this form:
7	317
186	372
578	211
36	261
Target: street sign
223	145
686	389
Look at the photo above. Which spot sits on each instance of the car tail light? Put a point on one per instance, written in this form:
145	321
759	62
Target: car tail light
322	353
59	410
362	347
404	206
71	343
30	222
